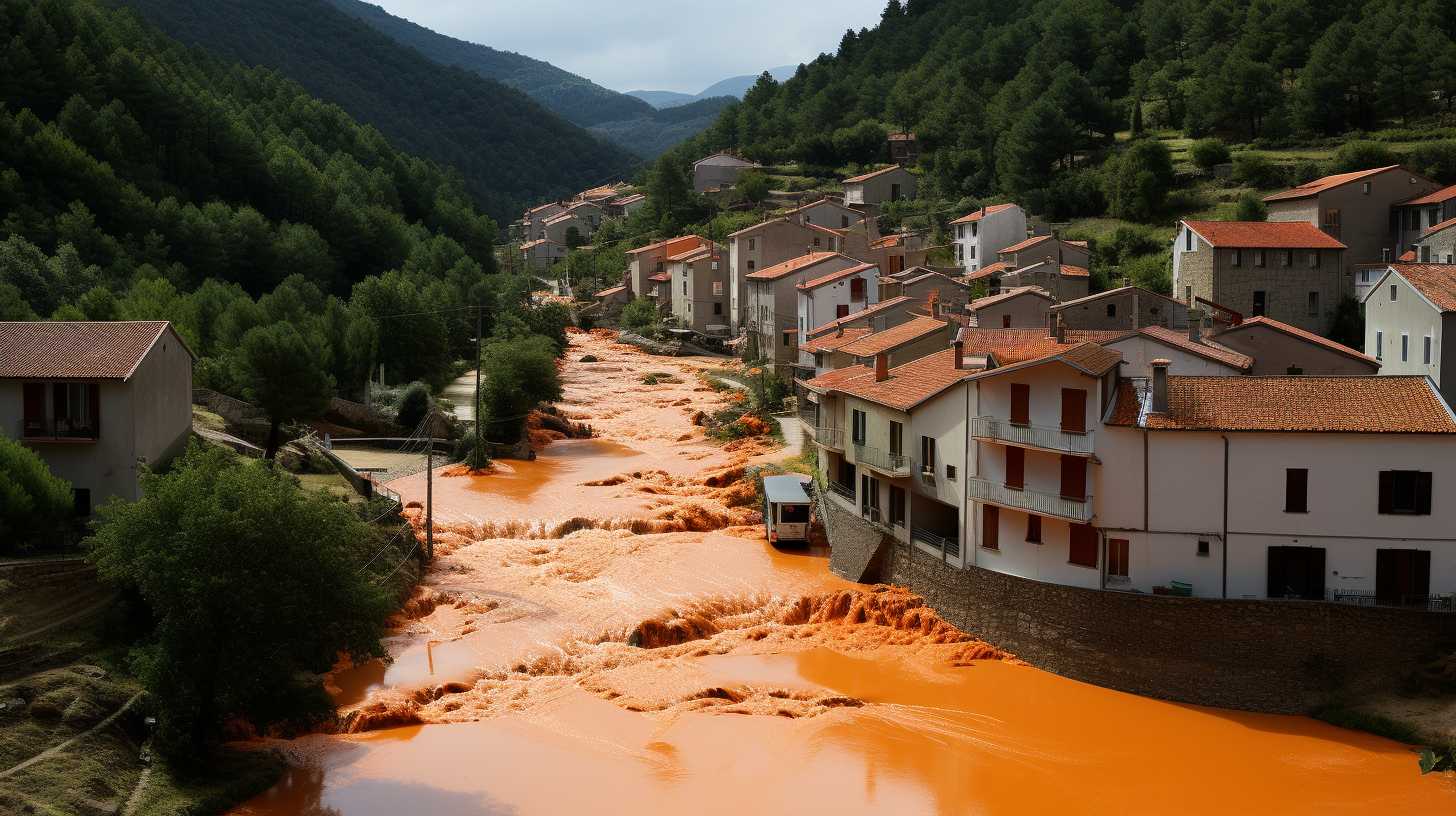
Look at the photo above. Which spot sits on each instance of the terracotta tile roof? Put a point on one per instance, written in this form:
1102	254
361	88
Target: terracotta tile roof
1088	358
825	200
1206	349
760	225
1069	271
982	213
887	241
793	265
992	300
1409	256
613	291
863	314
1435	228
46	350
833	276
1362	404
694	254
667	245
901	137
1319	185
907	386
724	154
1142	293
894	337
834	340
837	233
630	199
987	271
1436	282
541	207
661	277
1442	195
1029	242
871	174
559	217
1307	336
1264	234
1009	346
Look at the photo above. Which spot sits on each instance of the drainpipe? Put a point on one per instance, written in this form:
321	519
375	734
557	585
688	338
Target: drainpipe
1225	541
967	525
1147	489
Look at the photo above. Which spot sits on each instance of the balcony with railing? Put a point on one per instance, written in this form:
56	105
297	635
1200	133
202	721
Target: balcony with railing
842	490
832	438
1031	436
1032	501
949	544
890	464
36	429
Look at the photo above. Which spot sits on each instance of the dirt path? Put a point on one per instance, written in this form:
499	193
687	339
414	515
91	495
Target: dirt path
56	749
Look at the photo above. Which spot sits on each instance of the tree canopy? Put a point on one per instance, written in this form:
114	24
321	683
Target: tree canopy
34	504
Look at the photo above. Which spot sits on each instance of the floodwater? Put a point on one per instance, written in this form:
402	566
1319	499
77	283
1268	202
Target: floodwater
605	630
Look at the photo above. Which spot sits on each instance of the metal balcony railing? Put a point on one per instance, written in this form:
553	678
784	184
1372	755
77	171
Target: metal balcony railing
1036	436
1032	501
950	545
890	464
828	437
52	429
842	490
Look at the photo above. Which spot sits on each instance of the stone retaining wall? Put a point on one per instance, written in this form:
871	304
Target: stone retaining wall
1277	656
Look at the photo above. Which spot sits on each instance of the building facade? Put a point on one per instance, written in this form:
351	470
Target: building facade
981	235
880	186
1407	313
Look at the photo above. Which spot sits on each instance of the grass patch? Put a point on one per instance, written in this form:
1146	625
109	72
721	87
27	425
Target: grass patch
1369	722
231	779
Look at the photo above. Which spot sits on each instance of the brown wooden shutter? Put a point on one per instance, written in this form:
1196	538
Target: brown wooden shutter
842	310
1020	404
1033	527
991	527
1074	410
1423	492
1015	467
1083	545
1387	491
1074	478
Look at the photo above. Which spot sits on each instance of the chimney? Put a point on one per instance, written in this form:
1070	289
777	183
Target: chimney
882	367
1061	330
960	354
1051	324
1160	386
1195	325
934	302
983	210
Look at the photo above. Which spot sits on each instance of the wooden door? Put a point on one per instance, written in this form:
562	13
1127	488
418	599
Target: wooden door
1074	478
1015	467
991	527
1402	576
1297	572
1020	404
1074	410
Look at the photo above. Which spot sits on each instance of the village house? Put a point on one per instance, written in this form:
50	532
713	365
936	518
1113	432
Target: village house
1023	307
898	251
1437	244
881	316
1290	271
718	171
772	302
879	186
97	401
981	235
1354	208
600	195
1279	348
777	240
826	212
921	282
531	220
1406	314
1044	249
699	283
1127	307
1416	218
647	265
542	253
1061	281
904	148
830	295
624	206
1186	351
912	339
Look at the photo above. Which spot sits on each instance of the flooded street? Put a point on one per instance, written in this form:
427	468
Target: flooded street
605	630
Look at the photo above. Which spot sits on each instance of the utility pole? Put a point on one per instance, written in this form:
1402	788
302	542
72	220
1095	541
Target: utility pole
479	439
429	488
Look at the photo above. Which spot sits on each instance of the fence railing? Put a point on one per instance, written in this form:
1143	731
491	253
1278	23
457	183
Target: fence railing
829	437
1034	501
1039	436
892	464
846	491
1361	597
950	545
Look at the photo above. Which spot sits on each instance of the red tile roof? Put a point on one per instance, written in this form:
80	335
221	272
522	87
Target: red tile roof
863	314
661	277
1319	185
1264	234
1029	242
1088	358
1435	228
987	271
1436	282
605	293
895	336
834	340
907	386
793	265
79	350
871	174
694	254
1362	404
1442	195
1206	349
1301	334
1009	346
982	213
672	245
992	300
1069	271
833	276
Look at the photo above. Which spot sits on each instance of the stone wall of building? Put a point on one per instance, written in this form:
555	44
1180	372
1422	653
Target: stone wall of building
859	548
1277	656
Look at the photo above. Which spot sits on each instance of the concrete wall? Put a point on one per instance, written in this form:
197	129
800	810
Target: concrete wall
1439	248
696	304
1026	311
1139	351
978	242
1149	309
818	306
831	214
770	243
880	188
1410	316
1275	352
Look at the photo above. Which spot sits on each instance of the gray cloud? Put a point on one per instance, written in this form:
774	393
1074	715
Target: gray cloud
649	44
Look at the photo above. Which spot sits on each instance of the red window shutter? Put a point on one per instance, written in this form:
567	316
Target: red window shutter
1083	547
1074	478
991	527
1015	467
1006	321
1020	404
1074	410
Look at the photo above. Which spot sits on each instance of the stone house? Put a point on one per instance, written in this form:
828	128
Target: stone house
1415	218
980	236
879	186
1407	313
1290	271
899	251
1279	348
1127	307
916	337
97	401
699	285
1062	281
647	265
923	283
718	171
542	253
1354	208
1041	248
770	317
1023	307
1437	245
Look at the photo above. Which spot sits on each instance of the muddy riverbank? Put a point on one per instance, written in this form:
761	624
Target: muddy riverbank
607	631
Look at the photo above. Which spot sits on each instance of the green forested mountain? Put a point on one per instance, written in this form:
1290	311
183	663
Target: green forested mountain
617	117
509	150
1020	97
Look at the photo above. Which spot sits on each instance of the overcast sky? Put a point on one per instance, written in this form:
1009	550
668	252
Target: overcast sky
668	45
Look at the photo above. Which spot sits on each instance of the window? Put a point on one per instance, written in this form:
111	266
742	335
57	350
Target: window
1187	240
1314	260
975	228
1364	276
1259	299
894	192
1312	307
1425	254
1365	188
973	252
717	308
1286	258
960	230
927	453
960	252
1006	321
1332	218
1296	490
1112	310
1117	552
1426	354
857	427
816	240
990	527
856	289
1404	347
1405	492
1202	548
843	221
1413	219
1380	345
1433	216
897	506
685	286
752	244
1258	257
73	411
81	501
1015	467
750	266
1082	550
1033	528
1074	410
950	472
1188	295
718	288
841	310
1020	404
1074	478
1392	293
897	438
1236	257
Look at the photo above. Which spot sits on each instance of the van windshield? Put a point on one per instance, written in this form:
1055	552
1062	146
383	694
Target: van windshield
794	513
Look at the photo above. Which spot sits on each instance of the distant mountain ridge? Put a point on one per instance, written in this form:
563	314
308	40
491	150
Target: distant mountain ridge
622	119
734	87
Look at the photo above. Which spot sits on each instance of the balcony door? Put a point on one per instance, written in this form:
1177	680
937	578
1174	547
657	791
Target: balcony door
1297	572
897	439
869	497
1074	410
1402	576
856	289
1020	404
1074	478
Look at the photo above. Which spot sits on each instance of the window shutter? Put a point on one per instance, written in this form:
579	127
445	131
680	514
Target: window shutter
1074	478
1020	404
1083	545
1423	492
1387	491
1015	467
990	527
1074	410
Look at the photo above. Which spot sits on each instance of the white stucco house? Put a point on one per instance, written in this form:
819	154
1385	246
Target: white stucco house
836	294
1407	311
980	235
96	400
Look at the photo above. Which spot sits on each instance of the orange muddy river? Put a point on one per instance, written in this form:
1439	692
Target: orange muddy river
605	630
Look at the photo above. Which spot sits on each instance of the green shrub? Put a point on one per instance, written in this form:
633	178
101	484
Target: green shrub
1137	181
639	316
1251	208
34	504
1362	155
1256	170
1208	153
1434	159
414	406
